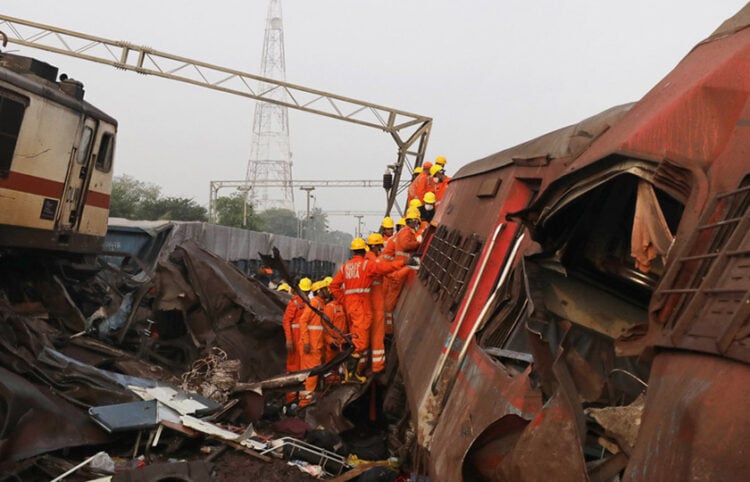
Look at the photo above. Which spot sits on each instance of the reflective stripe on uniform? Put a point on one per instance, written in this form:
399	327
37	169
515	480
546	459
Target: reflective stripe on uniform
295	325
356	291
402	253
387	256
315	328
377	283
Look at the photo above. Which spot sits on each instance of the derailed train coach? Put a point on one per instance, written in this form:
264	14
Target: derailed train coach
582	312
56	153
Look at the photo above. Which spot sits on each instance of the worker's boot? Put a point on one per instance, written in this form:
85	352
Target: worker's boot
350	370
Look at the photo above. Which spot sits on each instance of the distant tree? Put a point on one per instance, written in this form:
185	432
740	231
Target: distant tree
339	238
173	209
316	228
128	194
230	211
279	221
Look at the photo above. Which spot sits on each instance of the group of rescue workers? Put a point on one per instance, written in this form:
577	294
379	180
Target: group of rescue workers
359	300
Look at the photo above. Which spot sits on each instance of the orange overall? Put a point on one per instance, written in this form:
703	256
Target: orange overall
377	330
352	287
420	186
311	332
291	331
400	246
335	312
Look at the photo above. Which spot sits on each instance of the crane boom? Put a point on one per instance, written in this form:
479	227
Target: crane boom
409	131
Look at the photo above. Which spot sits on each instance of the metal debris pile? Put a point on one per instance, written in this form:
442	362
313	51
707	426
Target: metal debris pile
151	369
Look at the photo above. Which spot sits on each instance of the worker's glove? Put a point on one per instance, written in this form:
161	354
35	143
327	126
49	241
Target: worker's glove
412	261
419	238
307	348
290	346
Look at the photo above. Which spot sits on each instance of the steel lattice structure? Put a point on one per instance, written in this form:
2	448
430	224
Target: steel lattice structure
410	131
270	153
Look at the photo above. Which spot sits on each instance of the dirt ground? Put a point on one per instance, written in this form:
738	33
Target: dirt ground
237	467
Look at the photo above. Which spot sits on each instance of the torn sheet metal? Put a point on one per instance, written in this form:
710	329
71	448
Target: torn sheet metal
223	308
183	403
216	431
698	404
34	420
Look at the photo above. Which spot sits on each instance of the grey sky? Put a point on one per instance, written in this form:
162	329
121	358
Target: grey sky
491	73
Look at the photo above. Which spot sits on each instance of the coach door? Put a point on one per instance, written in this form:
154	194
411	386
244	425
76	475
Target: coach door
79	172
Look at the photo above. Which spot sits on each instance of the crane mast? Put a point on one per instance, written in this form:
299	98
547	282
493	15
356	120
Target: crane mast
409	131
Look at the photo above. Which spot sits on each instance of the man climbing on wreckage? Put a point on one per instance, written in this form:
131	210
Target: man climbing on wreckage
312	339
352	287
292	314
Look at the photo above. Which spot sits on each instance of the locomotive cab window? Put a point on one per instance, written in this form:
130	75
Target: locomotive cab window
85	145
106	149
12	108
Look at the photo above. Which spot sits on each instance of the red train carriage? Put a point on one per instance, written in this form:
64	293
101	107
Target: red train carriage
571	271
56	154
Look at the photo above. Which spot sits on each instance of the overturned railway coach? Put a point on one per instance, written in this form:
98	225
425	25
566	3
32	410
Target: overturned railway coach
576	272
56	154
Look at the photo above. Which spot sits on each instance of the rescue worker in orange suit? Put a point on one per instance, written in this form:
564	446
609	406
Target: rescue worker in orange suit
352	287
377	330
336	314
400	246
439	182
400	224
419	185
290	322
312	340
386	227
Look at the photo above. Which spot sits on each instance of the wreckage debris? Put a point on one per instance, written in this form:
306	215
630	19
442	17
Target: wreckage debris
145	374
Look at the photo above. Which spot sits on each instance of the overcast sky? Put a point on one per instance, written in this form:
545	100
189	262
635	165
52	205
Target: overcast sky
491	73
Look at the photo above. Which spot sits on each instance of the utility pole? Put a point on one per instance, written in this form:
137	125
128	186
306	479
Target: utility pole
309	190
245	190
270	152
359	225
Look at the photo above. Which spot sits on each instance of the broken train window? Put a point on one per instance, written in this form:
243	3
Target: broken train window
447	265
587	276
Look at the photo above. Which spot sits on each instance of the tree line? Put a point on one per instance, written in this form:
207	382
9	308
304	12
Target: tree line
139	200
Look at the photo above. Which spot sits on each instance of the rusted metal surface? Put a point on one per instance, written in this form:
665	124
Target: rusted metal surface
620	196
695	424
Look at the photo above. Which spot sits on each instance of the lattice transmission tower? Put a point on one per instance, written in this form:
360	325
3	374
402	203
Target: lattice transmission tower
270	153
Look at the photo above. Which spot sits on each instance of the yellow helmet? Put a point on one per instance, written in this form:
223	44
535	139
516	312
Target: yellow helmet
418	169
284	287
413	213
387	222
305	284
415	203
375	238
435	169
401	222
317	285
327	281
440	160
429	198
357	244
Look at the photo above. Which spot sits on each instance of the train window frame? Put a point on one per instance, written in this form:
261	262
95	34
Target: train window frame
84	150
104	155
10	138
